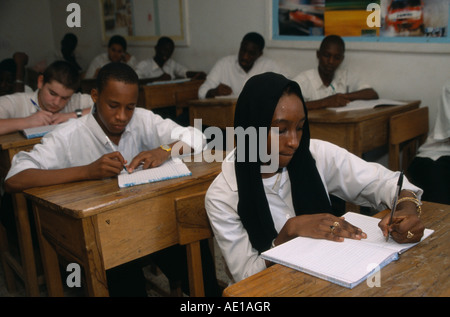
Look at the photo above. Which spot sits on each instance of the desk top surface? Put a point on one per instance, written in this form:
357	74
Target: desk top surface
328	116
423	270
15	140
86	198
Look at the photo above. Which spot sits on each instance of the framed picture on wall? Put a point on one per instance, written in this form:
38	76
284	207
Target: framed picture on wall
368	21
143	22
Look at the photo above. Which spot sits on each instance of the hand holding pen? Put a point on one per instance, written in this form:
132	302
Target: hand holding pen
121	159
40	117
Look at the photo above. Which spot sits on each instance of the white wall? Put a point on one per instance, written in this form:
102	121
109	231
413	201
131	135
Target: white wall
215	29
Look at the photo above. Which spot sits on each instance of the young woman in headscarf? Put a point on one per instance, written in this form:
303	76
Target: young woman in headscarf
251	211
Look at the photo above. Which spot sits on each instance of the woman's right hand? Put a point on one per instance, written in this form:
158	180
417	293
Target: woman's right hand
319	226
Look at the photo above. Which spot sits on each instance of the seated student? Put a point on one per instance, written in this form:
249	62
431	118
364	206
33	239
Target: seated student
12	74
78	150
251	210
117	52
430	169
328	85
67	52
162	67
54	101
230	73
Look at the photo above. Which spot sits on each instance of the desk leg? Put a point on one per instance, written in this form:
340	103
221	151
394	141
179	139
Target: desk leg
95	273
26	245
50	261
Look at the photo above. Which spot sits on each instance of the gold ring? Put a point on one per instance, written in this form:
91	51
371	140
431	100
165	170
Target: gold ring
336	224
409	235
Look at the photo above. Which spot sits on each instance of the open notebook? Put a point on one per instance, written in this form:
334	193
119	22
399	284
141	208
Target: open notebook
38	132
170	169
367	104
345	263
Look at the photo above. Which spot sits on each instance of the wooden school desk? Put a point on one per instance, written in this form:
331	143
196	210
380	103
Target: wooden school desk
10	145
217	112
423	270
166	94
100	226
357	131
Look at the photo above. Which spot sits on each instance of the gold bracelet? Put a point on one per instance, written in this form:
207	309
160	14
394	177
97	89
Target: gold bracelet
411	192
413	200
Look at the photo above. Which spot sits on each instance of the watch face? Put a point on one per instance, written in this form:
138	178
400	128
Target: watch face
165	147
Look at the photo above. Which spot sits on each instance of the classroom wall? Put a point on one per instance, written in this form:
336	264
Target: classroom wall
215	29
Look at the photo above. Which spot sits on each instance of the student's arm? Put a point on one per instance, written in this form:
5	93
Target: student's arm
37	119
196	75
341	100
108	165
221	90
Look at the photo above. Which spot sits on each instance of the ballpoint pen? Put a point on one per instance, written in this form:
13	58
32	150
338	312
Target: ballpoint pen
394	203
111	145
35	104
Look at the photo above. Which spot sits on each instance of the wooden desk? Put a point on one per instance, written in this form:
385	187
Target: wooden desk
99	226
10	145
169	94
423	270
357	131
217	112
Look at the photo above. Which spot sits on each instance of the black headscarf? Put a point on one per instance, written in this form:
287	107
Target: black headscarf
255	108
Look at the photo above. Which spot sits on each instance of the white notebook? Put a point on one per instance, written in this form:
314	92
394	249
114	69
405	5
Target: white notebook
170	169
38	132
367	104
345	263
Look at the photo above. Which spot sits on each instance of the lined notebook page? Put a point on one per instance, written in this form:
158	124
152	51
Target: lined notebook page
367	104
38	132
170	169
345	263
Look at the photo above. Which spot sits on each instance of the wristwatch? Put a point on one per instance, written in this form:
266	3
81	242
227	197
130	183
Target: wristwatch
79	113
166	147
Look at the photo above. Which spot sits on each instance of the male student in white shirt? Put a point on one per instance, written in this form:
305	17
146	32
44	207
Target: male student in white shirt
54	101
330	85
230	73
162	66
81	150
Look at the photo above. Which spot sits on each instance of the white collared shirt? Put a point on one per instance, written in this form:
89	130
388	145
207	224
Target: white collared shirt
314	89
228	71
438	141
20	104
343	174
101	60
81	141
150	69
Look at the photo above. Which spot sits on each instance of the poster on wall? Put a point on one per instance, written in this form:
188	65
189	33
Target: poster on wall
376	19
144	20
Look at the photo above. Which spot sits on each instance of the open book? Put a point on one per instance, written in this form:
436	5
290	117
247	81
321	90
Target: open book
345	263
38	132
168	170
367	104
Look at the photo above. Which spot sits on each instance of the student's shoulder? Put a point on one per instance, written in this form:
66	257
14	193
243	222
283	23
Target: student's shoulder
305	75
17	97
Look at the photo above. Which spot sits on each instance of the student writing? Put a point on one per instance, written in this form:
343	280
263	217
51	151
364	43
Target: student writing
54	101
330	85
251	211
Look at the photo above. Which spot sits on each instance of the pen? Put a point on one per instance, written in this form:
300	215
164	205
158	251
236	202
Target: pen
35	104
394	203
111	145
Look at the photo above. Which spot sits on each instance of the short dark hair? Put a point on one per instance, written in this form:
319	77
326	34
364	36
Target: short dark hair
332	39
255	38
165	40
118	39
118	72
64	73
8	65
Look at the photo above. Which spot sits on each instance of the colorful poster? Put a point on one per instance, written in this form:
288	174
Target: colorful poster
368	18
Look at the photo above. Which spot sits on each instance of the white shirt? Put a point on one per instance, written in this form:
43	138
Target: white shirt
149	69
228	71
81	141
314	89
343	174
101	60
19	105
438	141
